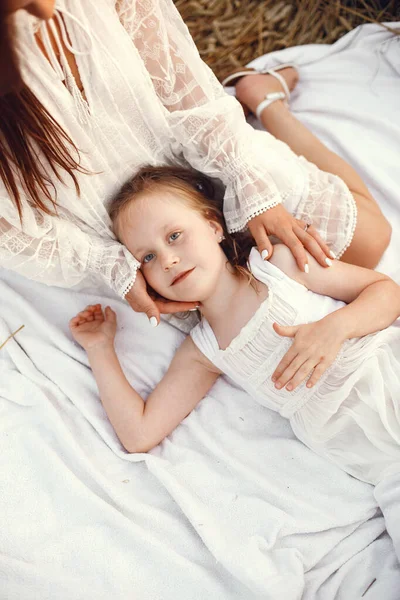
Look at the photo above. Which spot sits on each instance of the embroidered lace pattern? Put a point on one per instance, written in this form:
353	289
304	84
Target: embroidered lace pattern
150	100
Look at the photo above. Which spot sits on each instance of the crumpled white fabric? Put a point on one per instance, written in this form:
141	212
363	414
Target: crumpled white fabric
231	496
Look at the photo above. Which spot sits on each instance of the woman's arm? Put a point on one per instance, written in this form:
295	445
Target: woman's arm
141	425
57	252
209	129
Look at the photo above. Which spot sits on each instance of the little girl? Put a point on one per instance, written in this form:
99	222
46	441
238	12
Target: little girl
322	348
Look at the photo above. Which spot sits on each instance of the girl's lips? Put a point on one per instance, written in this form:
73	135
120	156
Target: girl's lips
182	276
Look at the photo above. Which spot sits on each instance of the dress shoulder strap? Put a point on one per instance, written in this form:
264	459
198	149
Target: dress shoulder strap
204	338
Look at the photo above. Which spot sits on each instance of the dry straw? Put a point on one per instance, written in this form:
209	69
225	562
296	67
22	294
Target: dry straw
231	33
11	336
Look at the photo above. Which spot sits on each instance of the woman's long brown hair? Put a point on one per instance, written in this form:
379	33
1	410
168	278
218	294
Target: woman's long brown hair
30	138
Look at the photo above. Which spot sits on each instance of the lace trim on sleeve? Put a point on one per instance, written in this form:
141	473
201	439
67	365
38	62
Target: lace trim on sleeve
115	264
57	252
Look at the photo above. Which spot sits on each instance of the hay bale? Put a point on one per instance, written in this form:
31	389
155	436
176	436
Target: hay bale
231	33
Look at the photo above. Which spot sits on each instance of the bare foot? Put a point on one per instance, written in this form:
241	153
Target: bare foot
252	89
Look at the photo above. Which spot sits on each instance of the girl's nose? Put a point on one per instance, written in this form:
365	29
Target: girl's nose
170	261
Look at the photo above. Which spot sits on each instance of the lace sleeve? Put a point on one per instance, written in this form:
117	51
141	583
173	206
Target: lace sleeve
207	124
57	252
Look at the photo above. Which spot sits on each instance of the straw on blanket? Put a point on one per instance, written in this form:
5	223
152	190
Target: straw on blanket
11	336
231	33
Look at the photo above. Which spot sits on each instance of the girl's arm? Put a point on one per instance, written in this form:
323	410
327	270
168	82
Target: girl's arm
373	299
373	303
141	425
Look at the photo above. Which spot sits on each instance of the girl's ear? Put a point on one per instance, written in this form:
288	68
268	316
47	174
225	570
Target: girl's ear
217	228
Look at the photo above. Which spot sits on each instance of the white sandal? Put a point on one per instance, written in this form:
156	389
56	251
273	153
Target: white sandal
233	78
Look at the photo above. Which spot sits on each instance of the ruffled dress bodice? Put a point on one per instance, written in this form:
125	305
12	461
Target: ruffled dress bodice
356	393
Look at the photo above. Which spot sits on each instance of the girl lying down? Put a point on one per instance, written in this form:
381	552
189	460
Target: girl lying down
320	347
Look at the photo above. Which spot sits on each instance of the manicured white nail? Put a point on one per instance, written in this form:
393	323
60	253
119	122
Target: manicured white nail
332	254
306	268
264	254
153	321
328	262
192	309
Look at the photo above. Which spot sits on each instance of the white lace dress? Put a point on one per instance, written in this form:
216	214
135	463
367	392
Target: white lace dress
352	415
148	99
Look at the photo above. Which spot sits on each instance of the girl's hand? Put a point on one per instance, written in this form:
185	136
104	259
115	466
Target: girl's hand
314	349
92	328
278	222
140	300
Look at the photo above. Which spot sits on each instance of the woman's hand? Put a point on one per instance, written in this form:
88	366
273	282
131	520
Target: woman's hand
92	328
314	349
140	300
292	232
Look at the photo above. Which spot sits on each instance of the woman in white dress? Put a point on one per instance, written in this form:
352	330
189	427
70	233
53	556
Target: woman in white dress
90	91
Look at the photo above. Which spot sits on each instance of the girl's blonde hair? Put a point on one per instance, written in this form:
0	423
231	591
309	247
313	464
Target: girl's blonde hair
201	195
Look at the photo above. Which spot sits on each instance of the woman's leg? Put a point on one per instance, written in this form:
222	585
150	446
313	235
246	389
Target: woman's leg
372	234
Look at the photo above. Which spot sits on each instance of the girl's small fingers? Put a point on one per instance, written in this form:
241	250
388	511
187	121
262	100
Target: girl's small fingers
317	373
289	372
110	314
301	375
283	364
285	330
91	308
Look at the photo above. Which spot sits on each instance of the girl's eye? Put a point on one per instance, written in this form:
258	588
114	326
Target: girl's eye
148	258
174	236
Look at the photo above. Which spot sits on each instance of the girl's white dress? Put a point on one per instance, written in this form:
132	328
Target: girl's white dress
352	415
147	98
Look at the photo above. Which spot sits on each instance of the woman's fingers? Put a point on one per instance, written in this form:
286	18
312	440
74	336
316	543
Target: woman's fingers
167	307
313	246
291	240
312	231
263	243
139	300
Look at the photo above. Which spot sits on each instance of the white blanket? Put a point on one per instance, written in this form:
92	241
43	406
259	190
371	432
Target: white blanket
231	506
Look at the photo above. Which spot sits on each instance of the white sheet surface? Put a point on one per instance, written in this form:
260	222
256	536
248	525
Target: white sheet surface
231	506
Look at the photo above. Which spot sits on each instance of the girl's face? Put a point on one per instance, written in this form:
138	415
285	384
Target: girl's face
178	248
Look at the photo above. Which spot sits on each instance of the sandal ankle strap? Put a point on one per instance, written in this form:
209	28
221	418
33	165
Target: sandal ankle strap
269	99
